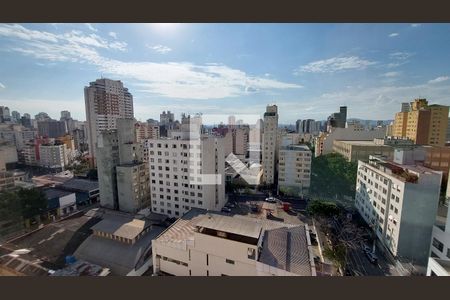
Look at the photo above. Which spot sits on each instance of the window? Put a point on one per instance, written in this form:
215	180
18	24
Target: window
438	245
448	252
251	253
229	261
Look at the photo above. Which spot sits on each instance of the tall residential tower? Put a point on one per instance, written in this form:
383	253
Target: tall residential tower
269	151
106	101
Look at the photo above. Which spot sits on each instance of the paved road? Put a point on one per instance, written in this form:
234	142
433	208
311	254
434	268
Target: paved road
360	264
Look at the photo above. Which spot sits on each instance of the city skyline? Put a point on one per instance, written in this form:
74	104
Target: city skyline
227	68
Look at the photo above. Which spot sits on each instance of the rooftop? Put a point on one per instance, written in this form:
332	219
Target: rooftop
120	258
287	249
360	143
52	193
122	226
182	231
79	184
408	173
296	148
228	224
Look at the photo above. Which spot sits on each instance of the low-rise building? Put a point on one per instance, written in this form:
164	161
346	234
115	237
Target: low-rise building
86	191
120	243
324	142
60	203
294	169
399	201
361	150
203	243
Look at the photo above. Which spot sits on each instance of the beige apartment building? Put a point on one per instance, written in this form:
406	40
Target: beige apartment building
424	124
360	150
202	243
270	144
294	169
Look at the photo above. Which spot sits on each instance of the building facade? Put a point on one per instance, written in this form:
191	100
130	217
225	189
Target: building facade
53	156
399	202
51	128
208	244
424	124
324	142
122	172
270	144
179	171
294	171
106	100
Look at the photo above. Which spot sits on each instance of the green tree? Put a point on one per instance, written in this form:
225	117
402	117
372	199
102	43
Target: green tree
33	202
332	176
321	208
10	206
338	254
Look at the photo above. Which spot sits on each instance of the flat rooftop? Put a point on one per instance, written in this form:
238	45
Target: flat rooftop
52	193
361	143
296	148
243	227
80	184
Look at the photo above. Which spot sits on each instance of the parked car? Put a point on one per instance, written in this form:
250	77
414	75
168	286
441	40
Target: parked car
271	200
372	257
226	209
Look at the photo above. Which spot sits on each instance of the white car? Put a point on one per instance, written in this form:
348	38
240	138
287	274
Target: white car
271	200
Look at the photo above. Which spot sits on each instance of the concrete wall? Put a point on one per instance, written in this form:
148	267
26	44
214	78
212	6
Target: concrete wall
107	160
418	217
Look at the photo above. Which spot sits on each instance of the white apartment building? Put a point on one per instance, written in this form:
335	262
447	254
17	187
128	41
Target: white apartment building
207	244
324	143
294	169
439	261
186	173
270	144
53	156
438	267
106	100
399	201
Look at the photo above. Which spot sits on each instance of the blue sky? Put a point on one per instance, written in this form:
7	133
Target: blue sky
308	70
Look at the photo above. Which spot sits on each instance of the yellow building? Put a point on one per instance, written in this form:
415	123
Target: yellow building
68	141
438	125
399	127
424	124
